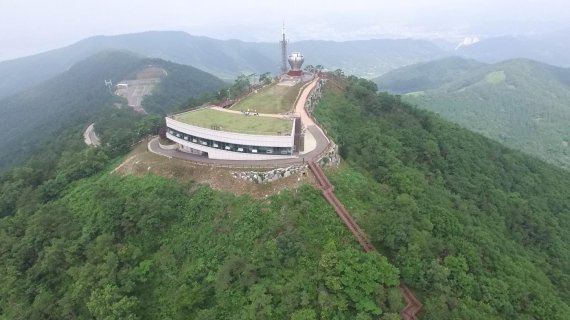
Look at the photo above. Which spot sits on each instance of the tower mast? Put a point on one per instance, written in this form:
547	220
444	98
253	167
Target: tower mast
284	52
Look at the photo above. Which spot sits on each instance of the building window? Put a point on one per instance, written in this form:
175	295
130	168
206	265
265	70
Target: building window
230	146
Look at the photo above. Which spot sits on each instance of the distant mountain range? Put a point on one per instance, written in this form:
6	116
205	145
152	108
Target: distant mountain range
522	103
551	49
225	59
30	117
229	58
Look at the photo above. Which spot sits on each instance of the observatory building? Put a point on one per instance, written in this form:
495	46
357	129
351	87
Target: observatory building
261	125
219	134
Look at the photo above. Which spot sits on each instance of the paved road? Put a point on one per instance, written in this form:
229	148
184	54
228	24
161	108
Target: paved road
90	137
321	139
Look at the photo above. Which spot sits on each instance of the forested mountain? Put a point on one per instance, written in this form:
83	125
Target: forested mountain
229	58
181	83
226	59
77	242
426	75
550	48
479	230
32	117
367	58
152	248
521	103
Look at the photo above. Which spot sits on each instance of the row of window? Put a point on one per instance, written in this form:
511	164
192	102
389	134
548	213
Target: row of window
229	146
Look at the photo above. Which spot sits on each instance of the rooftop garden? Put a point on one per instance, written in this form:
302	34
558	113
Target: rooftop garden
274	99
236	122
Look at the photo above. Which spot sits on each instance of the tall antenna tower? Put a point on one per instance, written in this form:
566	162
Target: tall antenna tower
284	52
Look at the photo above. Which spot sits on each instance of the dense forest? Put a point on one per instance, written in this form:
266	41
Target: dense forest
35	116
479	230
520	103
175	89
78	242
426	76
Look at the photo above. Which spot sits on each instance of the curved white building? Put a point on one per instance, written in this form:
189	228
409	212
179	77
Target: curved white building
220	134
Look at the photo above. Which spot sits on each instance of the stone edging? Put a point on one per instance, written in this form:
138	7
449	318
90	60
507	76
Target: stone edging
269	176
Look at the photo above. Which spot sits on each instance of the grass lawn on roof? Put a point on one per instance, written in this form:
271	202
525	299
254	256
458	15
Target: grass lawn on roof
273	99
236	122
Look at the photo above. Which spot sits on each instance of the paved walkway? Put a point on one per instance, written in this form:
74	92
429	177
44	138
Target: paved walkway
251	113
300	106
310	143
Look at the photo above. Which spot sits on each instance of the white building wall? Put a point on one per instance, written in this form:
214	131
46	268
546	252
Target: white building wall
285	141
214	153
235	138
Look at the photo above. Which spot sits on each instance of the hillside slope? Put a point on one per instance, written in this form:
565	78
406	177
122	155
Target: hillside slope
225	59
79	242
29	118
521	103
425	76
152	248
478	230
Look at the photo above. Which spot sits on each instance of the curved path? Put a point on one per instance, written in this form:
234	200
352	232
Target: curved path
300	105
322	143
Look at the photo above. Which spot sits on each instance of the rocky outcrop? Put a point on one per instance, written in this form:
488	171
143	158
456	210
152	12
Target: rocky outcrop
269	176
330	158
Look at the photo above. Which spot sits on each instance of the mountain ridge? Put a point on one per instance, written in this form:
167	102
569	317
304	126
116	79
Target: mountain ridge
479	231
519	102
223	58
72	97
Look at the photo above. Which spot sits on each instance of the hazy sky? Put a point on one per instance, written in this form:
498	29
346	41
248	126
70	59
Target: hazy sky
31	26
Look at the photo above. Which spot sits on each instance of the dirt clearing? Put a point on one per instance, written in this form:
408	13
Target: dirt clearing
141	162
